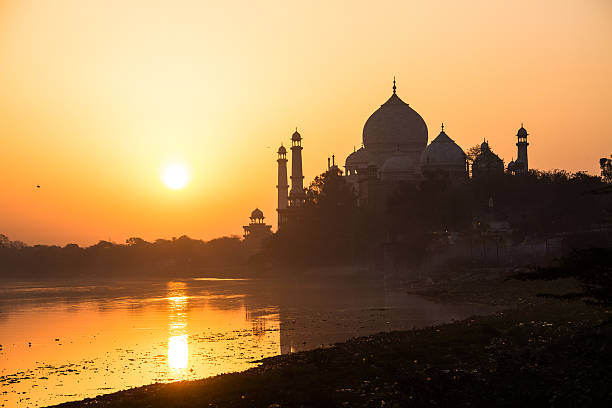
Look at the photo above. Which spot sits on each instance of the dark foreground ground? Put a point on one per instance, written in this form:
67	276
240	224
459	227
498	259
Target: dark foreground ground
537	353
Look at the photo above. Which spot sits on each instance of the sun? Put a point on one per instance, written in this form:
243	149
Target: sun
175	176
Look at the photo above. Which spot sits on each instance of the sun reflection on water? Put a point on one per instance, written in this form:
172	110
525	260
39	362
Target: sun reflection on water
178	352
178	346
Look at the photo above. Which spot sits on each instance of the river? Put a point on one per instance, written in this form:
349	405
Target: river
65	342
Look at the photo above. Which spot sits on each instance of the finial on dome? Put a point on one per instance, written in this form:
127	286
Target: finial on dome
442	127
394	87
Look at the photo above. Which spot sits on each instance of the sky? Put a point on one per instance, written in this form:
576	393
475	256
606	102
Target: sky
97	97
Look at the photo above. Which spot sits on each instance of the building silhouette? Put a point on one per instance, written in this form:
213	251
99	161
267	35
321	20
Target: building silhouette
282	186
521	164
394	151
444	159
256	231
293	212
487	164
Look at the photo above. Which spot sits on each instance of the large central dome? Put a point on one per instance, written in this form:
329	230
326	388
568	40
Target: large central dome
395	126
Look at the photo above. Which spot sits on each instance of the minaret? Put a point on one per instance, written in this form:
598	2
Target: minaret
296	196
521	145
282	186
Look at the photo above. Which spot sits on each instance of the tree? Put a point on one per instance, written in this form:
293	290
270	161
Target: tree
329	230
606	169
472	153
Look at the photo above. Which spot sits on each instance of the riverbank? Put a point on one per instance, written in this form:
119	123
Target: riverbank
536	352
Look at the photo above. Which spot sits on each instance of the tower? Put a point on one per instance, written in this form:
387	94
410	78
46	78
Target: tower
521	163
282	186
296	196
257	231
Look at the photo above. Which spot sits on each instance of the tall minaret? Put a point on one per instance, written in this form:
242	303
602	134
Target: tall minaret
283	187
296	196
521	145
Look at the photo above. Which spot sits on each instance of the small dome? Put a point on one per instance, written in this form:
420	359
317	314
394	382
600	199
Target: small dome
484	146
399	166
282	150
296	136
522	132
443	151
257	214
395	124
359	158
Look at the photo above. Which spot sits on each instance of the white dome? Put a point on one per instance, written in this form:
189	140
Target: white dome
400	166
395	125
443	151
359	158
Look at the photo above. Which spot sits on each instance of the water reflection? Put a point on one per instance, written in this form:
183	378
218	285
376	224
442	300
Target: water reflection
178	352
183	330
178	347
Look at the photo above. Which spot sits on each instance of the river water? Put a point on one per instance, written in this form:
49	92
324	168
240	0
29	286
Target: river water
65	342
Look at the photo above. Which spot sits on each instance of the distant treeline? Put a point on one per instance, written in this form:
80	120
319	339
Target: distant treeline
136	258
538	205
335	229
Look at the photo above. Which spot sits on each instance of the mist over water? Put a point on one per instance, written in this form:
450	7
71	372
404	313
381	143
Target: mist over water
68	342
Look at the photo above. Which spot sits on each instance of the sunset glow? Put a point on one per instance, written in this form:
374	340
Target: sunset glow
125	86
175	176
313	203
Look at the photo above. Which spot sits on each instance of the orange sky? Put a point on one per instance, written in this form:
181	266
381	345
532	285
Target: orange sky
96	97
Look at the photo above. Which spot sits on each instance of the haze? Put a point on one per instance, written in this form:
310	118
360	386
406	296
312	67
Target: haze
97	97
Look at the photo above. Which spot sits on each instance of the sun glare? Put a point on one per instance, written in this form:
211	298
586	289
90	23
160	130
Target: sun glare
178	352
175	176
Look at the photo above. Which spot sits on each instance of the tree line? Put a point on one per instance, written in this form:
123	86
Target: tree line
135	258
537	205
335	229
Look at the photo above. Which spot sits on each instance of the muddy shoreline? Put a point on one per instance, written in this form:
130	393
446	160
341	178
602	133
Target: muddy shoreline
525	354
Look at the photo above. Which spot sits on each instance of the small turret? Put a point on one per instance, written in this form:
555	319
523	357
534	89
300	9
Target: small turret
521	164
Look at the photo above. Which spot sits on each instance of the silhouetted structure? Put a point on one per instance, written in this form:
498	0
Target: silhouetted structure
444	159
294	212
487	164
257	231
394	137
521	164
282	186
296	195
